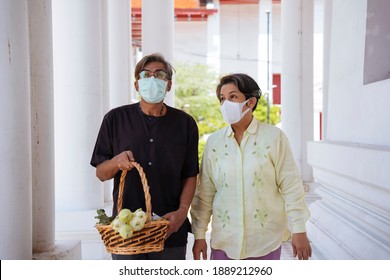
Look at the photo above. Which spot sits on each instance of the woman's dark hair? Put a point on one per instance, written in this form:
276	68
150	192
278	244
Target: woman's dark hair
244	83
154	57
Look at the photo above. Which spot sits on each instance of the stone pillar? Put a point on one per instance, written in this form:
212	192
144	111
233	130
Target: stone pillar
326	58
119	63
42	121
15	125
297	79
214	40
119	35
78	86
265	47
158	32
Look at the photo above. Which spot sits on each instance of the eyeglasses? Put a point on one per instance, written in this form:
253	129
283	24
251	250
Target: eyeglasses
159	74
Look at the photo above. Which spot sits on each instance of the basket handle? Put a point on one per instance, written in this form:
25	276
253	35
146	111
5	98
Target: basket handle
145	187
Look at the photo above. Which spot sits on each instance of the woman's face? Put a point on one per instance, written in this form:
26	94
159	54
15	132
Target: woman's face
232	93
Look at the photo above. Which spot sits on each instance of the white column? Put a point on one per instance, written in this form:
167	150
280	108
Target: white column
105	64
78	86
15	147
118	62
42	121
214	40
297	79
307	101
265	47
158	32
326	58
107	49
119	34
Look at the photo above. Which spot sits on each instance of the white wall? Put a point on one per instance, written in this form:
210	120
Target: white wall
351	220
359	113
191	41
229	41
239	27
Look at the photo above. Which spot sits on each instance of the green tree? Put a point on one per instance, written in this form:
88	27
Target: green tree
195	86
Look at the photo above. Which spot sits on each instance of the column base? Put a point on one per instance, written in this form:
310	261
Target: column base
64	250
80	225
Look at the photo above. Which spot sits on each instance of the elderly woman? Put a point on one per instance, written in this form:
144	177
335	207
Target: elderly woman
249	184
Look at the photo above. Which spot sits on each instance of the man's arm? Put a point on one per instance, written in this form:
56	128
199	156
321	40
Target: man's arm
107	169
177	218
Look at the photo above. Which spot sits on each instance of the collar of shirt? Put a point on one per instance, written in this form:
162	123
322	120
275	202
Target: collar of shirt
252	128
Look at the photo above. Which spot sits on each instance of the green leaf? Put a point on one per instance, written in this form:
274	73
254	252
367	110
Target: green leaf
103	218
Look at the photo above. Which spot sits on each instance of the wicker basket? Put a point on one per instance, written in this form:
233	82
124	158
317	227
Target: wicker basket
149	239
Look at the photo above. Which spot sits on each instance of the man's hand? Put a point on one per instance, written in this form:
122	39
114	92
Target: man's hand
107	169
123	160
301	246
176	219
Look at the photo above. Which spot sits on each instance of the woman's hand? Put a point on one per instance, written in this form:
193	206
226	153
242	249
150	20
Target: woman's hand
301	246
200	248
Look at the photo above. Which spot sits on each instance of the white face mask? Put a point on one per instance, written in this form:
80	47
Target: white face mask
232	111
152	90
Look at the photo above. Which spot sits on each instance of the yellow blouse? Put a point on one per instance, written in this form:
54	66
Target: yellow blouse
253	192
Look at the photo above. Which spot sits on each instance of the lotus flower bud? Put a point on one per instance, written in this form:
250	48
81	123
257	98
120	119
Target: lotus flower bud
141	215
116	224
125	215
126	231
137	223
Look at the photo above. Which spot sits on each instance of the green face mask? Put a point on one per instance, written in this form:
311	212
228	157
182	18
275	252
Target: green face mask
152	90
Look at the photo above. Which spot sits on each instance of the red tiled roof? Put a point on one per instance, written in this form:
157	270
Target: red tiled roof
238	2
182	4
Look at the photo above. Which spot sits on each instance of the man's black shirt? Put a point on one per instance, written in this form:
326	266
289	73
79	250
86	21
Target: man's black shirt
167	149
